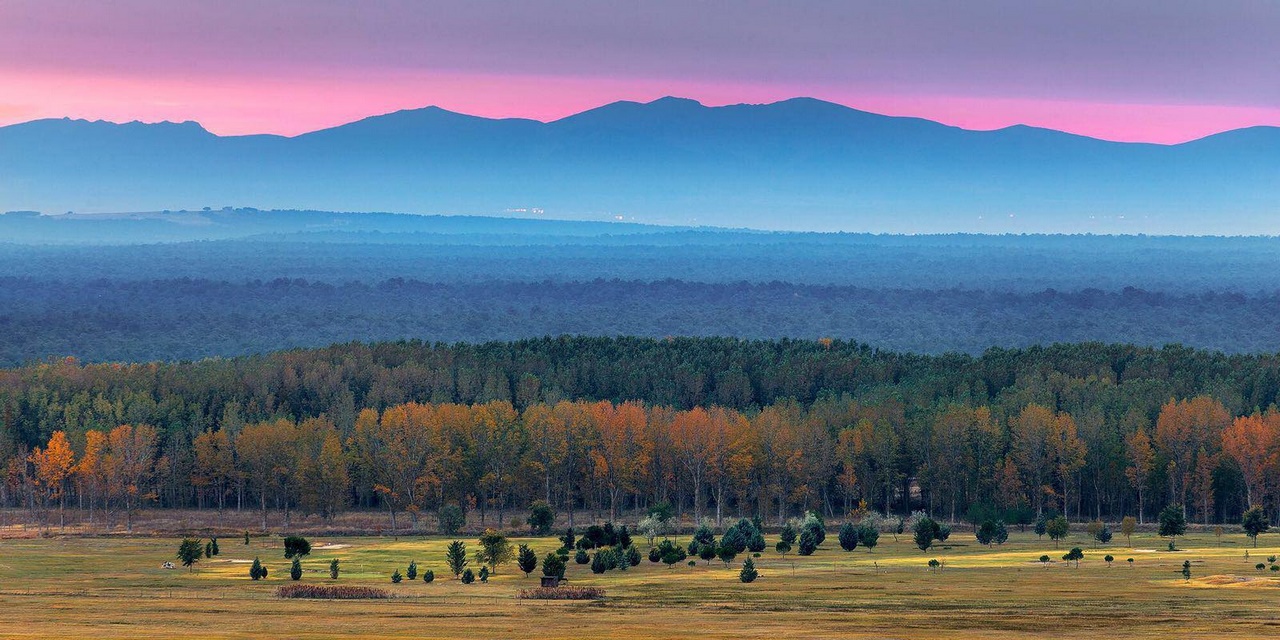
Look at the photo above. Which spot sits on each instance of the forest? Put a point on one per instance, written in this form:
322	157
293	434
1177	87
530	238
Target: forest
716	427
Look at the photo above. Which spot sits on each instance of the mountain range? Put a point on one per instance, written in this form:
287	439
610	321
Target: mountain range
800	164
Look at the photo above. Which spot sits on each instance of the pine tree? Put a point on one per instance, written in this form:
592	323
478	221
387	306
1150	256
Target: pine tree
553	565
748	572
295	570
412	572
256	571
396	577
848	536
428	576
526	559
333	569
456	557
189	552
214	545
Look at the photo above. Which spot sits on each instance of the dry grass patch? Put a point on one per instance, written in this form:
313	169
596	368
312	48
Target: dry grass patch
331	592
561	593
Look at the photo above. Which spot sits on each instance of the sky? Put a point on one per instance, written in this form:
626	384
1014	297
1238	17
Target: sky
1164	71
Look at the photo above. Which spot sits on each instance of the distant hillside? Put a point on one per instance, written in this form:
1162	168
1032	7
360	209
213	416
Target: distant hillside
799	164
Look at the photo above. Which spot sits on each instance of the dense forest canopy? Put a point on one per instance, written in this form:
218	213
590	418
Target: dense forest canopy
716	426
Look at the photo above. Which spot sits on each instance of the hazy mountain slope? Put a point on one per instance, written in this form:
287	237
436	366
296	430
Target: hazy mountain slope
797	164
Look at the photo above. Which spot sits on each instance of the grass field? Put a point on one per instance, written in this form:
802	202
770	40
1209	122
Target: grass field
104	587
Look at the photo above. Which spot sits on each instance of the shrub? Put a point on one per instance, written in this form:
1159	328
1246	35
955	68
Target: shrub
333	569
624	537
1186	570
1275	567
541	518
208	549
296	546
295	569
654	556
1103	535
396	577
986	532
633	556
553	565
1259	566
331	592
213	546
526	559
1044	560
1271	559
848	536
246	538
581	557
412	572
451	518
468	577
1109	559
934	564
748	573
598	563
257	571
561	593
692	563
484	574
1130	561
428	576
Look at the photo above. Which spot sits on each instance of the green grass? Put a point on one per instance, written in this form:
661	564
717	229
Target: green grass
100	587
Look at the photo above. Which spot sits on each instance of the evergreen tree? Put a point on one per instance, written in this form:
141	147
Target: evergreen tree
582	557
1042	525
553	565
748	573
1173	523
428	576
412	572
456	557
189	552
295	570
333	569
526	559
808	542
598	563
1254	522
541	518
869	536
214	546
1058	528
468	576
396	577
256	571
296	546
848	536
632	556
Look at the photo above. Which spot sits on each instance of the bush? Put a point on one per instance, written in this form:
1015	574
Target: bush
295	570
451	518
428	576
246	538
1044	560
598	562
296	546
484	574
333	569
257	571
1186	570
213	546
748	573
330	592
1259	566
581	557
670	553
561	593
1103	535
553	565
468	577
541	518
1109	559
934	564
526	559
632	556
654	556
986	532
396	577
848	536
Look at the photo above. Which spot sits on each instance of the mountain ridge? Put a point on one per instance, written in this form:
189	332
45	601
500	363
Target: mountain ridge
801	164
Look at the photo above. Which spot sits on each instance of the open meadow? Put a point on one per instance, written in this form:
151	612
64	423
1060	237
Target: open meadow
115	587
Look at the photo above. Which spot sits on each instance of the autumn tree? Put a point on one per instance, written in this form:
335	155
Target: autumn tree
1252	442
1141	464
53	466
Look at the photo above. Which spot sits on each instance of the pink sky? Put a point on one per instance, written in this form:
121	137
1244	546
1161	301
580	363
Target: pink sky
1169	72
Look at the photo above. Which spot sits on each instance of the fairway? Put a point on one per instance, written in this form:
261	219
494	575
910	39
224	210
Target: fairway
102	587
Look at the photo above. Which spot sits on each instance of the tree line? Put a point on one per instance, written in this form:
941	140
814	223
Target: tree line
596	427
